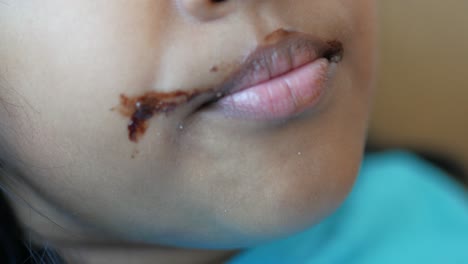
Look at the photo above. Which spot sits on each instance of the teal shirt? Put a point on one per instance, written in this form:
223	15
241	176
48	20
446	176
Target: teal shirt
401	210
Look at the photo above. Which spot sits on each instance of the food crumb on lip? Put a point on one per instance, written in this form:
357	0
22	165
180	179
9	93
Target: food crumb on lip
335	51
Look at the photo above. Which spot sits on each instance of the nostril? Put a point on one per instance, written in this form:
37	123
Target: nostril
218	1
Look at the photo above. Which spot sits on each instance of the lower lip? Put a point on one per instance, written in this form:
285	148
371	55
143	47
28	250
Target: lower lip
282	97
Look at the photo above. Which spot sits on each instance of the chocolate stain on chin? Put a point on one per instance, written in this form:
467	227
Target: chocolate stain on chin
140	109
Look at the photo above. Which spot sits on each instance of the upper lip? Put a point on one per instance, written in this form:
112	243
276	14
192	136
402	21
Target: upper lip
270	61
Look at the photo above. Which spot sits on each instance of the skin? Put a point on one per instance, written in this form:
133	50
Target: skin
218	183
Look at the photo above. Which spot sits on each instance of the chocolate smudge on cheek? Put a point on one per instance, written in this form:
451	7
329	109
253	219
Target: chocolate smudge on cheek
140	109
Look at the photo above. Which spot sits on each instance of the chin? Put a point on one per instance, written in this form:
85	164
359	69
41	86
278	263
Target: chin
280	209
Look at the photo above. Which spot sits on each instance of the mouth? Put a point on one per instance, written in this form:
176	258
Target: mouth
280	79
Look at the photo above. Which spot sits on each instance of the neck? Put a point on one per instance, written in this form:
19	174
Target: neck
121	253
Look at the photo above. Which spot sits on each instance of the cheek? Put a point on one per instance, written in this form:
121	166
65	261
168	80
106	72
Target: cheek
66	72
57	128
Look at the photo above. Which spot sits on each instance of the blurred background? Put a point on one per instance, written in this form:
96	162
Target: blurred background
422	97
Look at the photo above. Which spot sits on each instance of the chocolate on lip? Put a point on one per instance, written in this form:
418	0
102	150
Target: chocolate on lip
281	43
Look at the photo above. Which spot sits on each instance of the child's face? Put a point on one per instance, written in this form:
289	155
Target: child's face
198	176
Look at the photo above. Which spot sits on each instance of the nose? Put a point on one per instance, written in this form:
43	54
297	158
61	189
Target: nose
206	10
